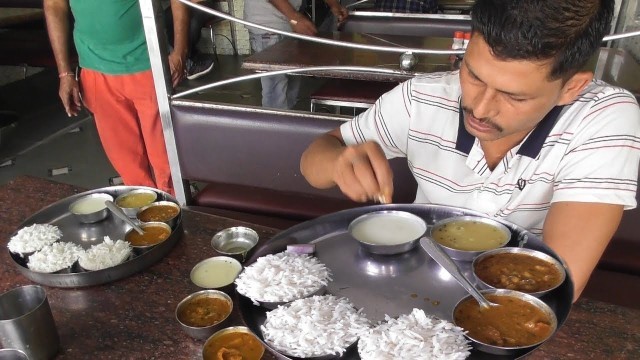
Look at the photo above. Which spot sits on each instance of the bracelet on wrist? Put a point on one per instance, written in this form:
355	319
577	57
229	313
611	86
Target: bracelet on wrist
68	73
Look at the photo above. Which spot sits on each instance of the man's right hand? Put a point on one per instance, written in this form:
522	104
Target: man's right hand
70	95
302	25
363	173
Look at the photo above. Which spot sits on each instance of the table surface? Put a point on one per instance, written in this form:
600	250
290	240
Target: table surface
133	318
291	53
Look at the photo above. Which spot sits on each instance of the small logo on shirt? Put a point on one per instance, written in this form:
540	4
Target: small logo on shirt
521	184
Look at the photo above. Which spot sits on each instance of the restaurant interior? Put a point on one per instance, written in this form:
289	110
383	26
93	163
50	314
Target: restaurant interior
238	164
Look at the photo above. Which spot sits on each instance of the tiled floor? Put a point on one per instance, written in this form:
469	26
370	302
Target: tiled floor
46	143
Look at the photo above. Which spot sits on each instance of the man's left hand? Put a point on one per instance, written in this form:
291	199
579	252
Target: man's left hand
177	67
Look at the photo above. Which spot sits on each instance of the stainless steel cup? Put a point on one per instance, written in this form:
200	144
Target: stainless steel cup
26	323
12	354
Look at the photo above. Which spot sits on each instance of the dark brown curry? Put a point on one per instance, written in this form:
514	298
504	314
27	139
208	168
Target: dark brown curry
159	213
152	235
514	323
518	272
204	311
233	346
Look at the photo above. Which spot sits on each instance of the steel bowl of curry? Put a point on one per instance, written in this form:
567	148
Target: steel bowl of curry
133	200
465	237
236	342
159	211
203	313
520	321
153	234
521	269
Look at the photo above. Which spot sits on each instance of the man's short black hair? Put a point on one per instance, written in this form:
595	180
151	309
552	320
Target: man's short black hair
566	32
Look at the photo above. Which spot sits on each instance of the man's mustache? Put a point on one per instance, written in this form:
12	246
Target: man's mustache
487	121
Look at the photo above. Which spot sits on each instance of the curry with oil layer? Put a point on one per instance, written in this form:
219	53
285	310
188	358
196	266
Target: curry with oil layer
204	311
152	235
233	345
515	323
159	213
518	272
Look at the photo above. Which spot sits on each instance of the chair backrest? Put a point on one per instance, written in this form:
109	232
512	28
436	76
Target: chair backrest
406	24
257	147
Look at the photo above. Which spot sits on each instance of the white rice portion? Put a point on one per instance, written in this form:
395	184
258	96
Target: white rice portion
282	277
33	238
314	326
105	255
414	336
55	257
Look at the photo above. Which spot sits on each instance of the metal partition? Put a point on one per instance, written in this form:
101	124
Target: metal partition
152	15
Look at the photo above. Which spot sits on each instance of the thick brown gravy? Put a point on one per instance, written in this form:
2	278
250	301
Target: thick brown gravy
204	311
233	346
514	323
518	272
152	235
159	213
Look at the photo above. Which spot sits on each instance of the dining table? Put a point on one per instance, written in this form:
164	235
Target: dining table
292	53
134	317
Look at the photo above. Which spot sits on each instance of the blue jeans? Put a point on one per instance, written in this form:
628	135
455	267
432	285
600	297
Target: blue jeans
280	91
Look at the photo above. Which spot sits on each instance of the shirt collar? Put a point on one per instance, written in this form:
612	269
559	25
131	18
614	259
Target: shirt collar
531	146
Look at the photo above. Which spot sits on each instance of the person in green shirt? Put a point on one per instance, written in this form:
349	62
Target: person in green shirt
116	83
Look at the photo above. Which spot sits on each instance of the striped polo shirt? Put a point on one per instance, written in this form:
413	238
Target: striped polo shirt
587	151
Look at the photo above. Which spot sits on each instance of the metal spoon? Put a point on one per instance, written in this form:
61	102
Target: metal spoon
119	213
435	251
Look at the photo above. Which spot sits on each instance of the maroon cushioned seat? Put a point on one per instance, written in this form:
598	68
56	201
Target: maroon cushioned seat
274	203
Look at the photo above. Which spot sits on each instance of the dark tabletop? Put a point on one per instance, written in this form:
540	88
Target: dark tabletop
133	318
293	53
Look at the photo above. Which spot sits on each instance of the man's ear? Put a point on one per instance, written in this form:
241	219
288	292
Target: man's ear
574	86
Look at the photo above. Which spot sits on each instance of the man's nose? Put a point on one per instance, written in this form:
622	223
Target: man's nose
485	104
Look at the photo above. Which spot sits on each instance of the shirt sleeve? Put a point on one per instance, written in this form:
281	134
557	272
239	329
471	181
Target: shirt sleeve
601	163
386	122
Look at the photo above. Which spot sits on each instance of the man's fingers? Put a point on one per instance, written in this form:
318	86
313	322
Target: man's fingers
383	174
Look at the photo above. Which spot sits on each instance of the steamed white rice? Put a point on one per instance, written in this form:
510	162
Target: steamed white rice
105	255
314	326
54	257
414	336
33	238
282	277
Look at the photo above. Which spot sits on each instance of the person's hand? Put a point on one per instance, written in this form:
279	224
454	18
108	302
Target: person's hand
340	12
70	95
302	25
363	173
176	65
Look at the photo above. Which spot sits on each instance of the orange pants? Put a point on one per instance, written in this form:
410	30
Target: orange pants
128	122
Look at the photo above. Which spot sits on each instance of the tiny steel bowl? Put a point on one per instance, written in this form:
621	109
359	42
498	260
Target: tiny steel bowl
522	251
12	354
203	332
226	267
510	350
235	242
132	211
143	213
380	219
144	226
469	255
100	213
206	355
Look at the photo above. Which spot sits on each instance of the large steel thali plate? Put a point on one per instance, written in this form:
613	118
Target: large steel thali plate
87	235
395	284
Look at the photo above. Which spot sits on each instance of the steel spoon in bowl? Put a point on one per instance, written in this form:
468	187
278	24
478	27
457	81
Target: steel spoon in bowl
435	251
119	213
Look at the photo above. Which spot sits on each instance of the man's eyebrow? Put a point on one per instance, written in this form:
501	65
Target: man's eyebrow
473	74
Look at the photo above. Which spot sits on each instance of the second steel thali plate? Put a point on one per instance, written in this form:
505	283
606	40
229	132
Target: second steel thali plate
392	285
86	235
